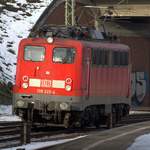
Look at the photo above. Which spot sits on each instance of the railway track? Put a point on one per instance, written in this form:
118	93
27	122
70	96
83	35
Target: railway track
12	133
135	118
58	133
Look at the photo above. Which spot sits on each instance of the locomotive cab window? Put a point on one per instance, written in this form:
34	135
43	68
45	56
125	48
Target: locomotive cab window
34	53
63	55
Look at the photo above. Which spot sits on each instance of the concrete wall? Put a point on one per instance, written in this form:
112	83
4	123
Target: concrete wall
140	57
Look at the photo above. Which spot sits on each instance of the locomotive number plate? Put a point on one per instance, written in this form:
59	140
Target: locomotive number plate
43	83
43	91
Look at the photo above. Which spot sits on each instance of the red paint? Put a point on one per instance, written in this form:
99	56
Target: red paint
86	79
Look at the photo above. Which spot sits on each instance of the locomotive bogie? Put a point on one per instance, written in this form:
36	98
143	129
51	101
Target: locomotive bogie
73	111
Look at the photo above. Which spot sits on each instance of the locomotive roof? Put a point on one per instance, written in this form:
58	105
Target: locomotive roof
71	42
106	45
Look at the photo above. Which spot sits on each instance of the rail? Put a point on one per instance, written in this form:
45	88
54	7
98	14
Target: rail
14	134
134	118
18	133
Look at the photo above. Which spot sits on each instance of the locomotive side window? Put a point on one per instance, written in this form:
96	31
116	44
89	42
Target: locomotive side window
124	59
94	60
63	55
105	58
116	58
34	53
100	57
120	58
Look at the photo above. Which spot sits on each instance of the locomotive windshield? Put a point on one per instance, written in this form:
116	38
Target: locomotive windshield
34	53
63	55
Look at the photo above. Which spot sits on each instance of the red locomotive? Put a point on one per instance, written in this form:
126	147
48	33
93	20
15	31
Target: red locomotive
72	81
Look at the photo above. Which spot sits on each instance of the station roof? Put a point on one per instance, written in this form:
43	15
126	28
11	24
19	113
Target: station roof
118	8
108	2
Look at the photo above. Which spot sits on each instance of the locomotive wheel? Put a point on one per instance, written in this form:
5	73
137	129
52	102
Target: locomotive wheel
82	123
114	121
96	121
96	118
85	118
109	121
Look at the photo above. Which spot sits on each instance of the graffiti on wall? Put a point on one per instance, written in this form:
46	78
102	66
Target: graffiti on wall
139	87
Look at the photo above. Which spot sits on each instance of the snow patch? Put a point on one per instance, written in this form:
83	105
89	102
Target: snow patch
37	145
1	5
14	26
12	4
21	1
141	143
9	118
6	114
5	109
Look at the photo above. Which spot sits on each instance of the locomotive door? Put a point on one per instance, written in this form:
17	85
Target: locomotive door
87	63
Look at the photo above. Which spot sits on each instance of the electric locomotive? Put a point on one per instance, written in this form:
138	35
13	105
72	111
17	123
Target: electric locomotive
72	82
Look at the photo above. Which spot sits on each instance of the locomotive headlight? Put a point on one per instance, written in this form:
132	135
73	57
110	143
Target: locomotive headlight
25	85
20	103
64	106
68	88
50	40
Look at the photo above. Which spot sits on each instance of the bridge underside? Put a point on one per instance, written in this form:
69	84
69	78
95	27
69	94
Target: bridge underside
120	7
123	10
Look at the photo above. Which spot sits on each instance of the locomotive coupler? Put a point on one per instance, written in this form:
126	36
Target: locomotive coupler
30	112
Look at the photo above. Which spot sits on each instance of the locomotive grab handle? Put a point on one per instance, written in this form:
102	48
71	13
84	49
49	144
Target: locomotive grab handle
88	78
36	70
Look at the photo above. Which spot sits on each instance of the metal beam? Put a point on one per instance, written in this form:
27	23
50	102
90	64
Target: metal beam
123	10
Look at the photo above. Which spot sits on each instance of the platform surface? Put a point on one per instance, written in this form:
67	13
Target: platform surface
119	138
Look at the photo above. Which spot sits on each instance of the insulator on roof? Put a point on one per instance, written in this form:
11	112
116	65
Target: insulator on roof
73	32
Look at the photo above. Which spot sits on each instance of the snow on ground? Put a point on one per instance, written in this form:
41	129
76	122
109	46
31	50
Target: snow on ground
141	143
15	25
9	118
6	114
5	109
37	145
138	112
1	5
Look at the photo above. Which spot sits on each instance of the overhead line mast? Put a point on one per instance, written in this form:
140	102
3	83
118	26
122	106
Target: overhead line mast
70	18
70	12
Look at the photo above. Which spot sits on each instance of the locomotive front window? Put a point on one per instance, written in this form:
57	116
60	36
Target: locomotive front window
34	53
63	55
